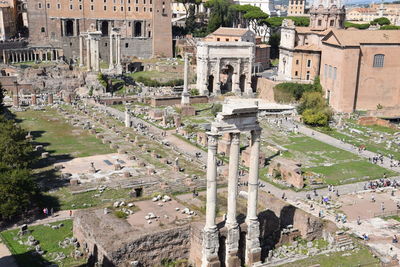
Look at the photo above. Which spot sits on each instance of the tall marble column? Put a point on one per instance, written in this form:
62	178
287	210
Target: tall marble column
253	250
111	65
88	55
96	55
217	78
210	231
202	78
236	78
127	118
80	51
233	236
185	94
248	90
118	49
4	57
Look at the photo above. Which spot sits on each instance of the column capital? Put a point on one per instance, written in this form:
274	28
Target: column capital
212	140
235	138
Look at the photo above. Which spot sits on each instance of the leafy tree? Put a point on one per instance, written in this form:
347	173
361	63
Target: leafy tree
191	20
274	41
220	14
348	24
2	91
380	21
314	109
315	117
256	18
15	150
18	192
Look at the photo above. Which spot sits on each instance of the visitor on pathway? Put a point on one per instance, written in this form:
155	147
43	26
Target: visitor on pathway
383	207
358	220
394	240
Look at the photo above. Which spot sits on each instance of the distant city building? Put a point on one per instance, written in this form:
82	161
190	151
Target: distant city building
374	11
296	8
300	47
145	26
360	69
265	5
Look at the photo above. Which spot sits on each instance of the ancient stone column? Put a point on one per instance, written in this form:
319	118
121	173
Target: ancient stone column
16	100
50	100
4	57
202	79
253	250
185	94
88	55
210	231
236	78
111	66
19	57
248	90
232	240
127	118
118	49
33	99
217	78
96	54
80	51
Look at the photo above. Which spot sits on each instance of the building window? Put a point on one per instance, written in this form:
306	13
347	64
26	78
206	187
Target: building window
297	62
105	44
105	8
331	23
43	29
218	39
330	71
308	63
325	71
48	5
334	73
80	7
226	40
296	73
40	5
308	76
378	60
58	6
126	45
319	22
71	7
91	7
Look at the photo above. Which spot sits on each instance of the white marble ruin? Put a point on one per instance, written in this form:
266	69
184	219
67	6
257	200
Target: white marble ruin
92	50
234	58
115	49
233	119
185	94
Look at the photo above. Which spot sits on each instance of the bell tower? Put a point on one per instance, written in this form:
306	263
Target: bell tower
325	14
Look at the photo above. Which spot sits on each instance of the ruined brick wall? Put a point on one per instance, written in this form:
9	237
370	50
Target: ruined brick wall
265	89
368	121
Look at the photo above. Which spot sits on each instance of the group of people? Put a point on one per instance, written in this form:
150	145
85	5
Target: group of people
376	159
383	182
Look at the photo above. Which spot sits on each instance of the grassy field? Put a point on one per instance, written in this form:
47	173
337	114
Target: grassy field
59	137
339	259
68	201
48	240
366	137
336	166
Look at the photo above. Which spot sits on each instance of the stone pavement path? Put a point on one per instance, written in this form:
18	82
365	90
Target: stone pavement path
6	259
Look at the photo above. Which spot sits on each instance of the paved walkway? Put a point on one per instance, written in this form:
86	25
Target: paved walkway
6	259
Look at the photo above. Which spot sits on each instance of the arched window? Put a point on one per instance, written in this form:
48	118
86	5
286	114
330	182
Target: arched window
378	60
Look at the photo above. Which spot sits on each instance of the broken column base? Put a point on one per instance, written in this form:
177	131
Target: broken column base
253	250
232	259
253	256
210	248
188	110
232	245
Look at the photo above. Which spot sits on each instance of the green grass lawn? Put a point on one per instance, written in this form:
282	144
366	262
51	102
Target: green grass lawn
336	166
60	138
361	258
366	138
48	240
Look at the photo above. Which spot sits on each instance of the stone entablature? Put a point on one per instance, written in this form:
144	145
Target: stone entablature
236	57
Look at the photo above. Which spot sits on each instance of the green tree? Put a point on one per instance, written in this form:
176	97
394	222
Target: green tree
256	19
314	109
191	20
356	25
15	150
18	192
315	117
380	21
389	27
274	41
220	14
2	92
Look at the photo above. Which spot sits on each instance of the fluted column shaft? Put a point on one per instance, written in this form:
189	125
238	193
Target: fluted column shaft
211	203
233	178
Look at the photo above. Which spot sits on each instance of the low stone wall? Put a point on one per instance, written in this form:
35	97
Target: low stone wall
176	100
368	121
114	242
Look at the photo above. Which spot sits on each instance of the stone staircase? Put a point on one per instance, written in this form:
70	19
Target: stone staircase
342	240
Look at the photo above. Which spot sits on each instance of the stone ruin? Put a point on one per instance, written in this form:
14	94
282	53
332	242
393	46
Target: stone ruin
288	170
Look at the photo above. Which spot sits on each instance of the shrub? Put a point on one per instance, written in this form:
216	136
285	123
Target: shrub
355	25
380	21
389	27
315	117
194	92
215	109
120	214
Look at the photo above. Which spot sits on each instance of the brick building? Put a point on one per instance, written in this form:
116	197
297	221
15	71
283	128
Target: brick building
145	25
360	69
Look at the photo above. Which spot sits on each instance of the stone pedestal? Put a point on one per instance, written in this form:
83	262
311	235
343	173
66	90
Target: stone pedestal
210	248
50	100
33	100
15	100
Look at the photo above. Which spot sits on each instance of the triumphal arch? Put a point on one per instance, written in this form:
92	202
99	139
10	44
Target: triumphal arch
225	67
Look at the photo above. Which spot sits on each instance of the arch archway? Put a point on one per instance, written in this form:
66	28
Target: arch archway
104	28
69	28
137	31
226	79
210	86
